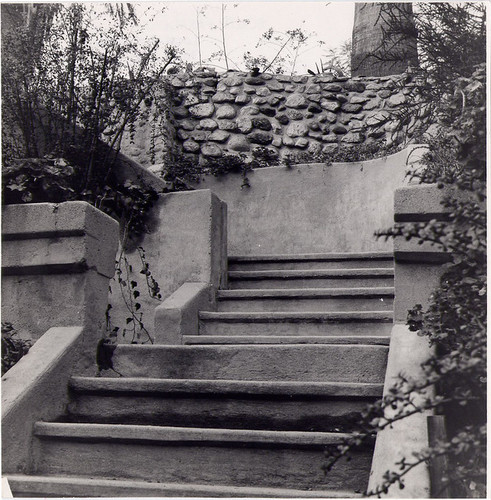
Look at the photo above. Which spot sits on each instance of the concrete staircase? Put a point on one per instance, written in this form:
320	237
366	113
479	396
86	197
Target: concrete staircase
248	406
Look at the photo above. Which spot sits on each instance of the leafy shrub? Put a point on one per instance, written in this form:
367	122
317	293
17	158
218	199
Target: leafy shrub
455	320
69	94
13	349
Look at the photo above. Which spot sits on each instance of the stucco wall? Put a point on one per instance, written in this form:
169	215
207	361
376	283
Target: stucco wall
312	208
234	112
186	243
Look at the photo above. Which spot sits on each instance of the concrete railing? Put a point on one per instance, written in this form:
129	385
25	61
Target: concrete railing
34	389
57	262
417	273
186	250
56	265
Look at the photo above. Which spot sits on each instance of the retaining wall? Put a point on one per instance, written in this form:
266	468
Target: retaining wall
235	112
312	208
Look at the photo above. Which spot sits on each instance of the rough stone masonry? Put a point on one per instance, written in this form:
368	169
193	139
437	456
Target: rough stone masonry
213	114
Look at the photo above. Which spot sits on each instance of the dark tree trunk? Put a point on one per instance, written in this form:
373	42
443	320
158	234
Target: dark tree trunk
384	39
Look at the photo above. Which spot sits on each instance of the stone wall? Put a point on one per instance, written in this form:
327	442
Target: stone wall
234	112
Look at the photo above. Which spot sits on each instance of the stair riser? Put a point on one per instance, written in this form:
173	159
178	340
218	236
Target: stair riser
307	304
259	339
209	327
215	411
267	466
73	486
334	363
311	264
263	283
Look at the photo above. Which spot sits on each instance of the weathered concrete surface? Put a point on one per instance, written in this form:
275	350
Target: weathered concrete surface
334	363
407	352
73	486
417	267
311	261
312	208
188	243
228	404
417	273
57	261
328	324
36	388
292	339
200	456
129	169
178	315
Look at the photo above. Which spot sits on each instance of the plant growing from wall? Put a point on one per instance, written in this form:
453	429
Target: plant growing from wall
343	153
288	47
183	170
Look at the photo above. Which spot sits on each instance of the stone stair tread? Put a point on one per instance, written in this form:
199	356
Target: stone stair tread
155	386
284	339
311	256
312	273
79	486
325	317
306	292
161	434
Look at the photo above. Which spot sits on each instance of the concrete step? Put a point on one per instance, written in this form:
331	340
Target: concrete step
300	406
347	323
284	339
311	261
320	363
77	486
307	299
247	458
312	278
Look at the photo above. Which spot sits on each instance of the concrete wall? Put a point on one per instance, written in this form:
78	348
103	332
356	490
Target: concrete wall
56	263
312	208
234	112
188	243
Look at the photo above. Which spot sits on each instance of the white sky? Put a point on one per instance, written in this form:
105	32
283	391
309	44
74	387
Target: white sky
332	22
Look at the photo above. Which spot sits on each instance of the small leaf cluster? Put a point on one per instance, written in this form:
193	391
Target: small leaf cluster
182	171
13	349
344	153
33	180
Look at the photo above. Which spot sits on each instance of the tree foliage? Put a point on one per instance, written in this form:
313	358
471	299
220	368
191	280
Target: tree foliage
70	91
13	348
451	40
455	319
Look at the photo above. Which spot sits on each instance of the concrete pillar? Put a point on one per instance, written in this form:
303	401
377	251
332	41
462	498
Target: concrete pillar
56	265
